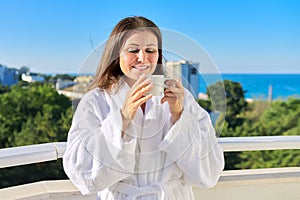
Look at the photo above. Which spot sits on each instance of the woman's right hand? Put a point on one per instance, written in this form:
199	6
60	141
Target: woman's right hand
135	97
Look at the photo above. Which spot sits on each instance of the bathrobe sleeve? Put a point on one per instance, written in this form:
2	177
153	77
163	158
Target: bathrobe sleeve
96	156
191	142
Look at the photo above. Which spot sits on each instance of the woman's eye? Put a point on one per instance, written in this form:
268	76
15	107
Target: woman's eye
150	50
138	50
133	50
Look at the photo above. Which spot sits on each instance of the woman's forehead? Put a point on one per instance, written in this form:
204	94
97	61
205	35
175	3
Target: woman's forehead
141	37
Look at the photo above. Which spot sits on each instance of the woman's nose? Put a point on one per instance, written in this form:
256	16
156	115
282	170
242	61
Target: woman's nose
141	56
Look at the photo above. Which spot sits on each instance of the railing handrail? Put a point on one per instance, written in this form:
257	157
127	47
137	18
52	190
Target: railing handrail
259	143
52	151
36	153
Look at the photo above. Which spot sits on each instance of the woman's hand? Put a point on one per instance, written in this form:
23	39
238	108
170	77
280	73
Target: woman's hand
174	95
135	97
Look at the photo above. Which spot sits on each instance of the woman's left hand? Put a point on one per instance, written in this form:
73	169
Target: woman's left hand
174	95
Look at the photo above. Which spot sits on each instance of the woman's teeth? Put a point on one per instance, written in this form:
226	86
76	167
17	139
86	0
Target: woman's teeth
141	67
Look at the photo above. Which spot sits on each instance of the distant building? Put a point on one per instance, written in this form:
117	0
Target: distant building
202	96
77	89
32	78
63	83
270	93
8	76
83	79
186	72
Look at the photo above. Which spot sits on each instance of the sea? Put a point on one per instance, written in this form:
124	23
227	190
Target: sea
258	86
255	86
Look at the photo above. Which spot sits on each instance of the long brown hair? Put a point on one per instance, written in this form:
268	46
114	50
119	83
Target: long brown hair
109	71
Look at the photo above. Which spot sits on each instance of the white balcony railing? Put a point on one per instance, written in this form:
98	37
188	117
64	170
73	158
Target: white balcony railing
52	151
264	184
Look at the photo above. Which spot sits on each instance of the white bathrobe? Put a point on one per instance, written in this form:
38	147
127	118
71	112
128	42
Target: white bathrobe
156	160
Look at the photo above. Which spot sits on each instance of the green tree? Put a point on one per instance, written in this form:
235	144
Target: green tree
205	104
235	101
33	114
23	104
259	118
228	98
279	118
53	79
4	89
229	95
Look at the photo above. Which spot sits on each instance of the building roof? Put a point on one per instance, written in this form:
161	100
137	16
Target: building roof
79	87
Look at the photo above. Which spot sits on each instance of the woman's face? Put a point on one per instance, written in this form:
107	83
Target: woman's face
139	54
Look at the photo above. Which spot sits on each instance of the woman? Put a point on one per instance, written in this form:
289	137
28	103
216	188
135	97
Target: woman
126	143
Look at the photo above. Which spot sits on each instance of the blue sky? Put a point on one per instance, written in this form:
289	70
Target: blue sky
241	36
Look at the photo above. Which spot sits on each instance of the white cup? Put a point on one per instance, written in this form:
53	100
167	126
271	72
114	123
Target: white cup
158	84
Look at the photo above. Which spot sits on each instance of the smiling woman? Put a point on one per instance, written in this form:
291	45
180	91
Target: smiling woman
126	143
